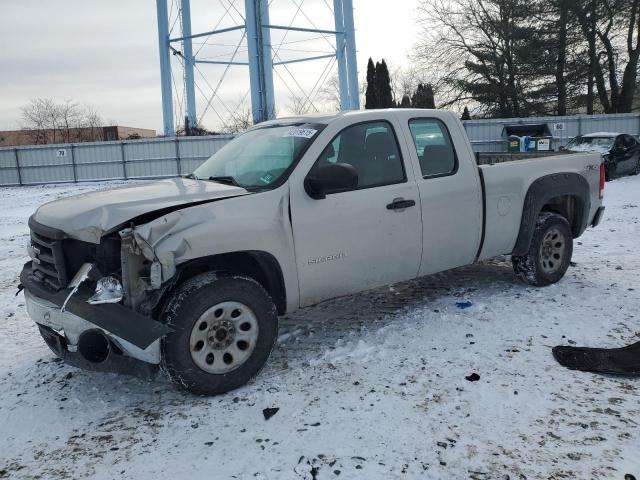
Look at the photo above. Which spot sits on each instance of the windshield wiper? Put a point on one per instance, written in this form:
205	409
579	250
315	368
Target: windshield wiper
228	180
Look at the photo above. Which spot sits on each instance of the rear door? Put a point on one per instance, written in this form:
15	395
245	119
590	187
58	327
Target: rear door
356	240
450	192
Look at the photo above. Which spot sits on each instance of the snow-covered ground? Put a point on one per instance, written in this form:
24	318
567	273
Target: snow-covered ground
370	386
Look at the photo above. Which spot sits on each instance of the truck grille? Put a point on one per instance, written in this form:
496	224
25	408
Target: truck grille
48	264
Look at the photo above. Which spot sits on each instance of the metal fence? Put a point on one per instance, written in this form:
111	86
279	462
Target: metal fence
486	135
168	157
122	160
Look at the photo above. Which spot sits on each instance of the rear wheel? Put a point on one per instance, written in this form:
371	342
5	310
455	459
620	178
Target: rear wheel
224	330
549	254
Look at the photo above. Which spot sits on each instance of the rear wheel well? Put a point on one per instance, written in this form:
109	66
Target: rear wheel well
564	193
260	266
570	207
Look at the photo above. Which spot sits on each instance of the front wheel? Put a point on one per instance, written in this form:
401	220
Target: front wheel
224	328
549	254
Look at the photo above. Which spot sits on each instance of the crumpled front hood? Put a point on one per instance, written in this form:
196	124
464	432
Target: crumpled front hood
89	216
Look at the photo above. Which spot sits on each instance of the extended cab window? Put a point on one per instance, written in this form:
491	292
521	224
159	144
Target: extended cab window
372	149
433	146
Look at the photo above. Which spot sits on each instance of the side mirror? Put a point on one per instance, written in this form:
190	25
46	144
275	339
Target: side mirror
333	177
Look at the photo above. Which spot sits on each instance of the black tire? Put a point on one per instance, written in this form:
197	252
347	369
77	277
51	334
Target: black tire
549	254
636	170
188	304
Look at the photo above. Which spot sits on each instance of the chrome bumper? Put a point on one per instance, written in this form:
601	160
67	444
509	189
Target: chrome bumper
71	326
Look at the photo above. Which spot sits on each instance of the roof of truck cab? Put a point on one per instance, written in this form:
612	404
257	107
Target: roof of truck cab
327	118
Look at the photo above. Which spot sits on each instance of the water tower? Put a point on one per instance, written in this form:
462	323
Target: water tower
253	22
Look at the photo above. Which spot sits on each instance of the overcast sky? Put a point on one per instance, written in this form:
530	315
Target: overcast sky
106	53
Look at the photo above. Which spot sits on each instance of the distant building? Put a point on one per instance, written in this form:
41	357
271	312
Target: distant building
13	138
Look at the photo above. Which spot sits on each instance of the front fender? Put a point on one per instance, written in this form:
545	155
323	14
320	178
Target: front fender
257	222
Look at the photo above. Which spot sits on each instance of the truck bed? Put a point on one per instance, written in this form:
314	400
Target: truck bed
506	185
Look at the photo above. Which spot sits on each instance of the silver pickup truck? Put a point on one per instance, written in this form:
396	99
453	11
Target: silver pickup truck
192	273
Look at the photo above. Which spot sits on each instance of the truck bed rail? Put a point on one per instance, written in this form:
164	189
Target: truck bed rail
489	158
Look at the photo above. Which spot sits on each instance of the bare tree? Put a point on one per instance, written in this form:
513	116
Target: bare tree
612	31
49	122
298	105
329	94
239	120
35	119
70	119
523	57
92	122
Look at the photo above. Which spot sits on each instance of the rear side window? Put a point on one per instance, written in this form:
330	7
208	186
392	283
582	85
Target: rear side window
372	149
433	146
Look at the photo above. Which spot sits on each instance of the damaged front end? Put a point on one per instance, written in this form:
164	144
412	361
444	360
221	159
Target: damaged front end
95	303
145	276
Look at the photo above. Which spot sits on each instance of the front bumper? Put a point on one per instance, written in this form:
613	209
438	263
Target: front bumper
69	327
117	319
137	337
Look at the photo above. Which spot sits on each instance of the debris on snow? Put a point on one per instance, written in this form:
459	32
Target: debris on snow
474	377
464	305
270	412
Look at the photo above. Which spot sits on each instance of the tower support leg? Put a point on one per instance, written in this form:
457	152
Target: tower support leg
187	51
343	76
165	66
352	62
260	61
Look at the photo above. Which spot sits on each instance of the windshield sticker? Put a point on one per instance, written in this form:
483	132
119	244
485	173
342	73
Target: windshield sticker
301	132
266	178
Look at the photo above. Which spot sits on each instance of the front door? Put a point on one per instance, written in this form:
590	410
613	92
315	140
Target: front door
626	153
365	237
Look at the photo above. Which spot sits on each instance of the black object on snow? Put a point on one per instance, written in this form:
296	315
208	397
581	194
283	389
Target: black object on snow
269	412
474	377
613	361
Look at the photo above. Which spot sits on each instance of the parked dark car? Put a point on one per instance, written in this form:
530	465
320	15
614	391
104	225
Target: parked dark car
621	152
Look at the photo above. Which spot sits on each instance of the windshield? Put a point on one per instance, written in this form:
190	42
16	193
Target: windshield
591	144
260	157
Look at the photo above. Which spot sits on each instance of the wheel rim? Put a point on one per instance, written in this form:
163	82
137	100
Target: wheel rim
224	337
552	250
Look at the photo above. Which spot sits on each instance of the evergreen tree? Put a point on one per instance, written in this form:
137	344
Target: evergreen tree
423	97
371	97
406	101
383	83
465	114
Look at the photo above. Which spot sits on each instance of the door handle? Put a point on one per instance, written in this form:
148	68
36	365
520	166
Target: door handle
400	204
